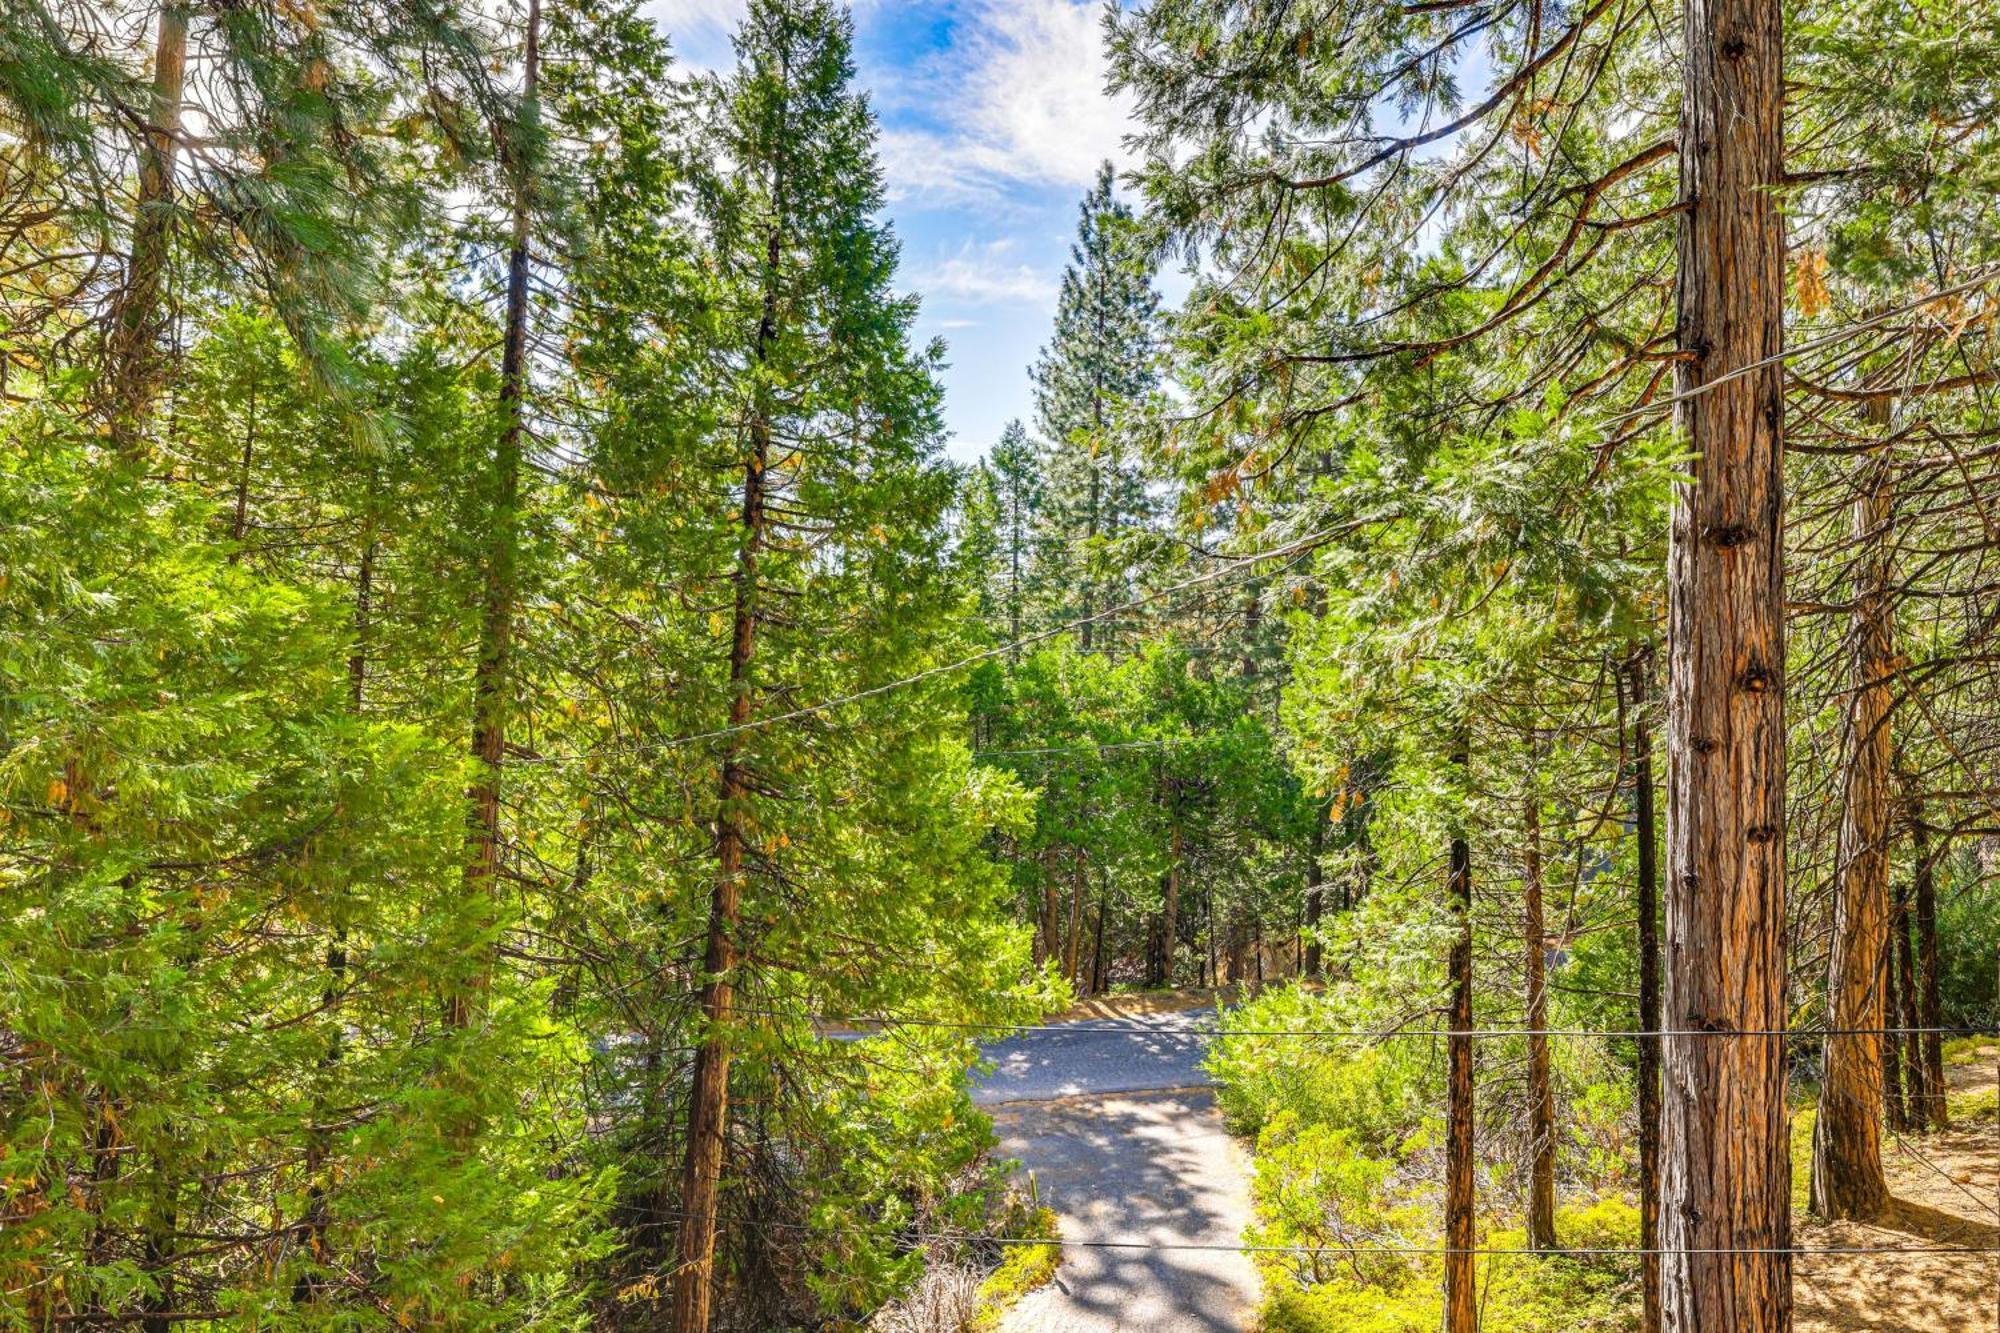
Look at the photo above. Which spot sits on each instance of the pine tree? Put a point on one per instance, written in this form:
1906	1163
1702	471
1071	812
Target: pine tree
1017	495
1098	364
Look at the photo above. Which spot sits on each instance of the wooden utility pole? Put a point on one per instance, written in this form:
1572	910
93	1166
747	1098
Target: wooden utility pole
1461	1297
1725	1170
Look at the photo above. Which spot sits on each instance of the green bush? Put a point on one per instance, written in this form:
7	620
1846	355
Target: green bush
1518	1293
1377	1093
1022	1269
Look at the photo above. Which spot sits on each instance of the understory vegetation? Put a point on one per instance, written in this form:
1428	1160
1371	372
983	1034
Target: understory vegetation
528	770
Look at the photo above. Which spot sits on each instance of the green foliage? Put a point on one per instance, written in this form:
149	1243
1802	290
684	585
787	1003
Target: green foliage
1376	1093
1972	1107
1520	1293
1022	1269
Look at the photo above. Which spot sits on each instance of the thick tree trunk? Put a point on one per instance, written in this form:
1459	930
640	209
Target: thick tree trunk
708	1095
1315	891
1648	891
132	351
1847	1140
1461	1297
1725	1162
1930	1006
1541	1090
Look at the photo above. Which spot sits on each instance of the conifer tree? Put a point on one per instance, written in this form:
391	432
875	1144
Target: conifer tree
1098	363
1017	496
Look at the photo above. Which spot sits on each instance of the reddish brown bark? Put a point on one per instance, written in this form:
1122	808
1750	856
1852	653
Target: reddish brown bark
1461	1297
1645	830
1315	892
1930	1006
1541	1090
1909	1046
132	351
1847	1179
492	678
708	1094
1725	1166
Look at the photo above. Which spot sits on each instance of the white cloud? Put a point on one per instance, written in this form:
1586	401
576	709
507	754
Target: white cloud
984	274
699	29
1018	98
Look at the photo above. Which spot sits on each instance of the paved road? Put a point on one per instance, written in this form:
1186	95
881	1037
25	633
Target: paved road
1126	1145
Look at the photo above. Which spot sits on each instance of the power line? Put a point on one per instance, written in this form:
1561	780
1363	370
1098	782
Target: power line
1838	336
1241	565
962	1237
1366	1034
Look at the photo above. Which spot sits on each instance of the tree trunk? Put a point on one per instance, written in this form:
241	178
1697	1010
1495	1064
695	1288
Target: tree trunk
132	352
708	1095
1725	1161
1051	932
1847	1141
1894	1117
318	1215
492	683
1097	949
1170	905
1644	830
1087	630
1461	1298
1315	890
1930	1006
1541	1091
1073	945
1909	1046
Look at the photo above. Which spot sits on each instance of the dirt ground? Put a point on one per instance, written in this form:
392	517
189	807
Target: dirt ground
1947	1193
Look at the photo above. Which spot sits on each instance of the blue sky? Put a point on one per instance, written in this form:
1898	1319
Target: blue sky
994	118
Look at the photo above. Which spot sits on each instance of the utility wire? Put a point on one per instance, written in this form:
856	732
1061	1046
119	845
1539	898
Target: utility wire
1240	565
1368	1034
1838	336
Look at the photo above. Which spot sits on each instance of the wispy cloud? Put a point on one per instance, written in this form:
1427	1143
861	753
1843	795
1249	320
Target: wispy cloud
985	273
1017	98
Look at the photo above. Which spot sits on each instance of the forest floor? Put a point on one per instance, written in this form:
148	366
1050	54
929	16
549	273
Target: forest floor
1946	1189
1125	1144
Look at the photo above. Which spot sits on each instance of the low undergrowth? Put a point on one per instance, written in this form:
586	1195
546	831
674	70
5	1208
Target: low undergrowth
1022	1270
1348	1171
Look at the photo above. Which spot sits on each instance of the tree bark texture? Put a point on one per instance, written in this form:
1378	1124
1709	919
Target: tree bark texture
1909	1046
1315	891
1847	1139
708	1095
492	678
1171	899
1725	1165
1541	1090
1645	829
132	352
1930	1004
1461	1298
